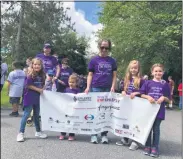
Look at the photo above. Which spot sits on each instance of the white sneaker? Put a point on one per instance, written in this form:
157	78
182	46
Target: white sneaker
125	141
134	146
104	140
20	137
94	139
41	135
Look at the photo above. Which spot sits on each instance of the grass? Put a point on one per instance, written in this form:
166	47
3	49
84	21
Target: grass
5	97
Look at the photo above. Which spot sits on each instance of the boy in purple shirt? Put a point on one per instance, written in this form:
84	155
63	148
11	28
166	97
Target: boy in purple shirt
73	81
156	90
102	77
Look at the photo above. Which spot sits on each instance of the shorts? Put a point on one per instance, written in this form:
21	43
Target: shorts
15	100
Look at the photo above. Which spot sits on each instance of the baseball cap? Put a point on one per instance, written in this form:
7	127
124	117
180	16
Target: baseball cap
47	45
50	72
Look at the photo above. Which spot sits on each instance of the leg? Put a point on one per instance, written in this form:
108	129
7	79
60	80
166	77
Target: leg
148	142
36	110
180	102
1	87
27	111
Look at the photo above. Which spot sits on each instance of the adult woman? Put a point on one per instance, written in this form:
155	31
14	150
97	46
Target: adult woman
102	76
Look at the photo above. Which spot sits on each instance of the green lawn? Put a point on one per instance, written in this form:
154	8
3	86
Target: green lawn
5	97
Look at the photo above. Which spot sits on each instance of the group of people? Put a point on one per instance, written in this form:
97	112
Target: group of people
45	73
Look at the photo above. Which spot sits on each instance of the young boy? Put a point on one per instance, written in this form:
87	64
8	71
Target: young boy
15	86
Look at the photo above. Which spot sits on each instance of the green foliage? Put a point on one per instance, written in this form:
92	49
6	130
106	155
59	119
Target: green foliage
43	22
147	31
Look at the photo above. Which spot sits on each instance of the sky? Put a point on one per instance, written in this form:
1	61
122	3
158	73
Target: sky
84	14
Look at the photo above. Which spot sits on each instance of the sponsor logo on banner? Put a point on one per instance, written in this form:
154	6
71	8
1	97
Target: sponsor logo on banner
97	130
108	107
57	121
128	133
89	117
82	99
72	117
102	122
108	127
102	116
125	126
75	129
118	131
50	120
115	117
86	129
106	99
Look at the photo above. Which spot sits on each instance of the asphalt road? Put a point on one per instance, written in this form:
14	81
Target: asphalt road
52	148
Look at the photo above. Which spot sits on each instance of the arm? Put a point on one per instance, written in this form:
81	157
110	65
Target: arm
39	90
89	80
114	81
149	98
8	87
57	71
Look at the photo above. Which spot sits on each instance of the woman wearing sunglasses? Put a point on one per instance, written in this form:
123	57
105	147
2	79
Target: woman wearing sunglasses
102	77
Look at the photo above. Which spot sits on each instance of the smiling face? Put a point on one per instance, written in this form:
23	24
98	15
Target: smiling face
72	83
134	69
104	48
36	65
157	72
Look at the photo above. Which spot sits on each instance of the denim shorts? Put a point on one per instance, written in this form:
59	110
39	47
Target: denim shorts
15	100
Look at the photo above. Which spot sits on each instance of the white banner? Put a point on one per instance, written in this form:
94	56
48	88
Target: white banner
94	113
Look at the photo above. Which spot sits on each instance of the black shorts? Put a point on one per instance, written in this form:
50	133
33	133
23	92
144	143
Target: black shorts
15	100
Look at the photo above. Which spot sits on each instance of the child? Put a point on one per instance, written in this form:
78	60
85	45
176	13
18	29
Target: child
132	83
180	95
33	88
73	80
50	84
15	87
156	90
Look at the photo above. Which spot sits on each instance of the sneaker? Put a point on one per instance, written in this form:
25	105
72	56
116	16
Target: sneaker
119	143
104	140
41	135
62	137
147	151
14	114
94	139
154	152
134	146
125	141
71	138
20	137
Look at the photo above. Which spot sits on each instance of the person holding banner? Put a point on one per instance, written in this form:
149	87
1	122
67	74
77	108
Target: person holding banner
33	88
73	80
156	90
132	83
102	77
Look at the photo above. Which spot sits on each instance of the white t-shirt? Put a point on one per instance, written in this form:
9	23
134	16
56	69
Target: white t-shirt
4	69
16	78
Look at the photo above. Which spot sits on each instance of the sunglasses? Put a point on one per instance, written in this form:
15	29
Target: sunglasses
102	48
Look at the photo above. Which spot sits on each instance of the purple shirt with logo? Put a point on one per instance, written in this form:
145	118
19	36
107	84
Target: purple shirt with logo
73	90
64	74
131	88
102	68
49	62
156	90
31	97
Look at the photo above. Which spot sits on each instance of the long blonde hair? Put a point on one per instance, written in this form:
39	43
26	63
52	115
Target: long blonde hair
33	73
128	76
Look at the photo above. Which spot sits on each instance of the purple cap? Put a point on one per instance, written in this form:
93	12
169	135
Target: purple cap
47	45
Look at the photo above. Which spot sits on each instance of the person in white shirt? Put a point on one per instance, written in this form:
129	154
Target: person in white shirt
4	70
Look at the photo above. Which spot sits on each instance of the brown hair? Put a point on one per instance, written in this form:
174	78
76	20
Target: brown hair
33	73
128	76
73	77
105	40
157	65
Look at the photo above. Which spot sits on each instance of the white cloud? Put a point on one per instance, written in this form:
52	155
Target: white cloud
83	26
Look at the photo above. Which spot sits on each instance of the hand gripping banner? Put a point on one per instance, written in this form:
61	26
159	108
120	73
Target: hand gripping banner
94	113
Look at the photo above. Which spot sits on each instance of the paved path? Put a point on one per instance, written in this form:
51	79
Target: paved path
52	148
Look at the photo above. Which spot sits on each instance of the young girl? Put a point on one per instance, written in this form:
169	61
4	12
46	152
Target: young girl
73	81
132	83
156	90
33	88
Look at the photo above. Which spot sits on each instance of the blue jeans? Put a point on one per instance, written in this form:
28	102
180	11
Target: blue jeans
101	89
180	102
156	134
27	112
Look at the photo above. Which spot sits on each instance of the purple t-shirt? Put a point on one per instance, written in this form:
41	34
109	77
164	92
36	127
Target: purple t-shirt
73	90
156	90
49	62
31	97
102	68
131	88
64	74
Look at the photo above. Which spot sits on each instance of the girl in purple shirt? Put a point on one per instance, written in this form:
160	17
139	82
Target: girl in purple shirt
156	90
33	88
132	83
73	81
